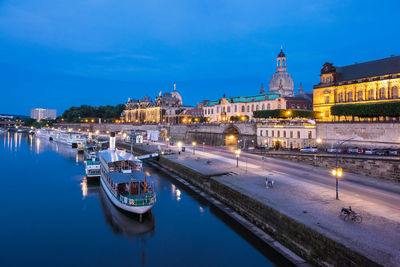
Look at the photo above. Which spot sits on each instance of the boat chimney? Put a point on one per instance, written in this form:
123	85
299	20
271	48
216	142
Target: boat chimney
112	141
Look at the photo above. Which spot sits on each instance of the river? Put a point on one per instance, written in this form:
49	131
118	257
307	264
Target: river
53	216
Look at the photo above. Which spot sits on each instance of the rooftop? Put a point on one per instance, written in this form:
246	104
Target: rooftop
245	99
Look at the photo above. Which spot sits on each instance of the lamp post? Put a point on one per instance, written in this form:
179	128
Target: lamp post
194	147
167	139
337	172
237	153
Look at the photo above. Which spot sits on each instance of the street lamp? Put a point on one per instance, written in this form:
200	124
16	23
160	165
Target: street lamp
318	140
337	172
167	139
194	147
237	153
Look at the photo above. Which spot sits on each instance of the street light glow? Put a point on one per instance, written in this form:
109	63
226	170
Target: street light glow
319	140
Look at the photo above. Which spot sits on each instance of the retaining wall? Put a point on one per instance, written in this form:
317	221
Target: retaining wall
385	168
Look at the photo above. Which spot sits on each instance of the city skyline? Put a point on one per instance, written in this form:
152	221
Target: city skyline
68	55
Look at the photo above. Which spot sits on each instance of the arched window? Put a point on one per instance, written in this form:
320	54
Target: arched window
395	92
262	107
268	106
242	108
229	109
256	107
235	108
382	93
261	132
371	94
252	107
248	108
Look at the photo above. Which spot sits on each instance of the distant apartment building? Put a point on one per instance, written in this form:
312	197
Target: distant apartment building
41	114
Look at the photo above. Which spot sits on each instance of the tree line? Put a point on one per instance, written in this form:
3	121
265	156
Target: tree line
76	114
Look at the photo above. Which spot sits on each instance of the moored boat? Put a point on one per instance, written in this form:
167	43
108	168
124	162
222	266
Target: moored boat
92	167
124	181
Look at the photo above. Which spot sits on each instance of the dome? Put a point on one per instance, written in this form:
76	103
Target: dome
282	83
176	95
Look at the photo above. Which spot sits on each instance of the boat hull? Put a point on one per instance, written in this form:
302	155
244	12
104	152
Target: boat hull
137	210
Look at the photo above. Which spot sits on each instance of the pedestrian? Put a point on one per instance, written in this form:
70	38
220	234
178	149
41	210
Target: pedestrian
266	182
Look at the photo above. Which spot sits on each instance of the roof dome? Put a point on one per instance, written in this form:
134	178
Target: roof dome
176	95
281	82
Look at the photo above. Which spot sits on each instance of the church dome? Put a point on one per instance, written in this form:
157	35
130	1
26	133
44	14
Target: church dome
281	82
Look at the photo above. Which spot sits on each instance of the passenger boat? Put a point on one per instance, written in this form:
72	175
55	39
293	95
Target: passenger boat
90	151
92	168
73	139
45	133
124	181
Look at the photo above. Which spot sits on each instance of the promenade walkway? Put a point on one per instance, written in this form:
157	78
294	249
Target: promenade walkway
312	202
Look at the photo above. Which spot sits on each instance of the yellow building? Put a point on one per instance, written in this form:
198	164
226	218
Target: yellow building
369	82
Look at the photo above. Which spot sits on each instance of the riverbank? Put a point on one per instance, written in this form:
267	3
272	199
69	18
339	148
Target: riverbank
305	223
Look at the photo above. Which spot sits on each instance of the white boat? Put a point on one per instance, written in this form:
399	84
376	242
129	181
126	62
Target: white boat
3	130
92	167
45	133
124	181
73	139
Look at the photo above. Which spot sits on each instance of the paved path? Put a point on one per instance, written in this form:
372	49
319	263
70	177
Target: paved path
307	194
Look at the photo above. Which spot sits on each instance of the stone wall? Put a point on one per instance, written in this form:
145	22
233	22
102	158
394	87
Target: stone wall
386	168
210	134
369	134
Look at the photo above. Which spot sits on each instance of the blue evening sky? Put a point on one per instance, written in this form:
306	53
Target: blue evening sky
55	54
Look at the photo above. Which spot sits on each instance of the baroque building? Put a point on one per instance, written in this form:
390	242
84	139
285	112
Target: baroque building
375	81
166	108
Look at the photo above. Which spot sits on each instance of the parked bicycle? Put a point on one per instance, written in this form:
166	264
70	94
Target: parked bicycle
350	215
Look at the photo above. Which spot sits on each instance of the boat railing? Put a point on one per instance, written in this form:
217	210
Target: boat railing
143	200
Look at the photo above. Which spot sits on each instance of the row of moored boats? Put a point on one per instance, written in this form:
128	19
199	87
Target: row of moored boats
121	173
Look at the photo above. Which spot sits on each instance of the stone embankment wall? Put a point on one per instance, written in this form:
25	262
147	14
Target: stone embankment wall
307	243
210	134
386	168
369	134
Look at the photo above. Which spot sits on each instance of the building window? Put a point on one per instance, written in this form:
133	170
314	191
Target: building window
242	108
268	106
263	107
235	108
298	134
350	96
252	107
309	134
371	94
261	132
212	111
279	133
266	132
327	99
272	133
284	133
256	107
217	110
382	93
341	97
229	109
395	92
360	96
293	106
248	108
291	134
223	109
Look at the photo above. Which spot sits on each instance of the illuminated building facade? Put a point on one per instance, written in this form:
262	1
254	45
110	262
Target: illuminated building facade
291	135
375	81
42	114
167	108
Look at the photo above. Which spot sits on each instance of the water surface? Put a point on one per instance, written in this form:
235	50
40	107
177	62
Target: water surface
52	215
